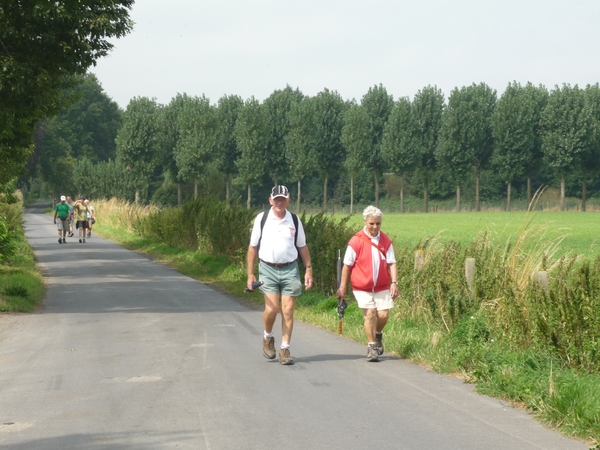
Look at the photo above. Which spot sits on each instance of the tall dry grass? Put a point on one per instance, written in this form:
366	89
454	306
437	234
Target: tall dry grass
121	214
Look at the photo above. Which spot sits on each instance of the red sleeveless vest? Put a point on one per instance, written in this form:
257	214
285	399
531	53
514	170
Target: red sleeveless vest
361	277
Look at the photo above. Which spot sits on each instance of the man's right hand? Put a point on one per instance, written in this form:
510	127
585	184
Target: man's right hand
251	279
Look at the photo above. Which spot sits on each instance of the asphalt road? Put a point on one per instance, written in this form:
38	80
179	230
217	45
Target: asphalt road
129	354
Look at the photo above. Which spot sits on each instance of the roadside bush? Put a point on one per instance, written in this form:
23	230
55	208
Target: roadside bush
204	224
7	240
327	237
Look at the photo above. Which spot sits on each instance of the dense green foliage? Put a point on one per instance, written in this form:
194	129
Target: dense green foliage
204	224
43	45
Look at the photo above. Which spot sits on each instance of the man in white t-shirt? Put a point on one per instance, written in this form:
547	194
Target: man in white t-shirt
278	245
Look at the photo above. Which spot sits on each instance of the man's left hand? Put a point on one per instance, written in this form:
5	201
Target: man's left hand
308	280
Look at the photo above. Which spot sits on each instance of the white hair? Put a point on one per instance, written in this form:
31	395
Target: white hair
371	211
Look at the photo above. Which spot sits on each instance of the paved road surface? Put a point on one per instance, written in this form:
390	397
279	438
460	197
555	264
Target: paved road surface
129	354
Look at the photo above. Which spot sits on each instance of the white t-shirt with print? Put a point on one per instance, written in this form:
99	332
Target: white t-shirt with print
277	243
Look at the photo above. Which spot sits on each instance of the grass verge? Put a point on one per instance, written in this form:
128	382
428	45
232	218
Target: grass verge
21	284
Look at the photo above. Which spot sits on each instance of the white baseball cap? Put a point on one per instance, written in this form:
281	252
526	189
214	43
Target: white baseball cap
63	198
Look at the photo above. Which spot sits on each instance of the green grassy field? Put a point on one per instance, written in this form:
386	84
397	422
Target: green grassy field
578	230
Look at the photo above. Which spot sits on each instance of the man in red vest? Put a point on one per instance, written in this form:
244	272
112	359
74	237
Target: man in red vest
371	264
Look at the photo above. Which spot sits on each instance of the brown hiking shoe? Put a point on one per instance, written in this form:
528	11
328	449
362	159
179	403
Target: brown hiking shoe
372	353
285	357
379	343
269	347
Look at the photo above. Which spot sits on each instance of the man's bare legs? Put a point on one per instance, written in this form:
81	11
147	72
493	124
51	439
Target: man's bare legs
287	315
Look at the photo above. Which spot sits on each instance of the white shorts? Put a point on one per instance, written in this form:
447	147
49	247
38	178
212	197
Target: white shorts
381	300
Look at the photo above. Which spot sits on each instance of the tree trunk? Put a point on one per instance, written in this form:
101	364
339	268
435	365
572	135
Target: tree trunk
137	196
196	188
299	195
351	194
325	193
457	198
402	194
376	188
179	194
528	189
249	196
584	191
477	179
426	195
562	192
508	189
228	188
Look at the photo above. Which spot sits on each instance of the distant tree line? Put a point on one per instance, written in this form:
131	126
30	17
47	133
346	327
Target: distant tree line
474	144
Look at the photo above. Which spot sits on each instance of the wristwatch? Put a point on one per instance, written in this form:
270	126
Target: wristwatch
395	282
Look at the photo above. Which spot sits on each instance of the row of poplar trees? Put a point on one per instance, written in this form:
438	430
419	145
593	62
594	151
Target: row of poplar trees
290	136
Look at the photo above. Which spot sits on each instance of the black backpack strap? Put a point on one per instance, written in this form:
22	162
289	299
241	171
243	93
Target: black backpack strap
263	220
295	220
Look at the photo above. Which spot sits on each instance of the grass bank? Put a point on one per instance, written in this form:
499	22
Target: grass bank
21	284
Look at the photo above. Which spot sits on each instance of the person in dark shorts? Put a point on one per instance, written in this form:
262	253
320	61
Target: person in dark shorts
71	215
81	211
62	212
277	247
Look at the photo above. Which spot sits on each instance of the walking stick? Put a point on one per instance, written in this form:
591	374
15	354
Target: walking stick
342	304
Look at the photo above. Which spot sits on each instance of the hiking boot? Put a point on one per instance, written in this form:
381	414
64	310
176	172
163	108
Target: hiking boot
60	240
269	347
80	240
372	353
89	234
379	343
285	357
84	240
70	234
64	241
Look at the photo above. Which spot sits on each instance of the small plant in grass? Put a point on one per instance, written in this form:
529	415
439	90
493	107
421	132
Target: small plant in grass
16	289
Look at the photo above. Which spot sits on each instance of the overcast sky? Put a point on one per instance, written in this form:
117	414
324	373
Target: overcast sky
253	47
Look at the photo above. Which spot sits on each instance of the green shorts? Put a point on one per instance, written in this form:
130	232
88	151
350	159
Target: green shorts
283	281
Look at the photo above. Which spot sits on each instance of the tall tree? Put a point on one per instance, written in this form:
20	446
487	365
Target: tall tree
55	155
466	135
252	132
356	138
228	109
170	138
196	145
86	129
301	142
568	132
42	44
399	146
278	106
591	158
138	142
428	109
330	153
378	105
539	99
514	128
